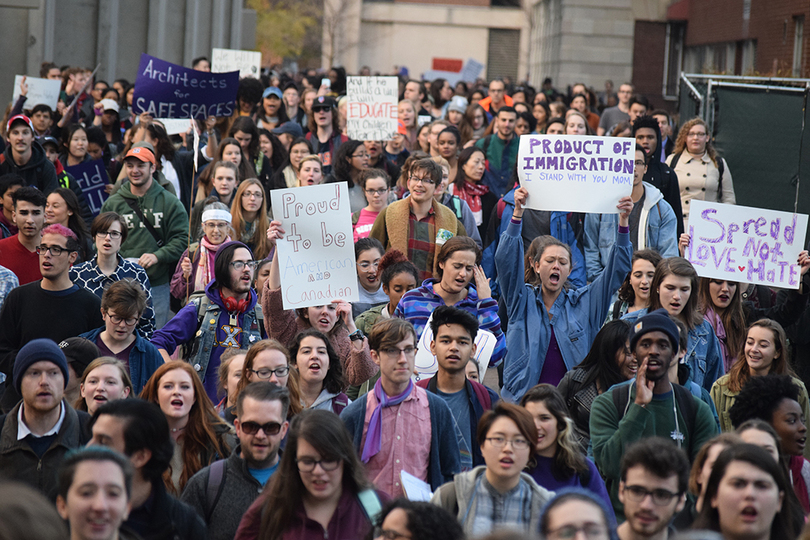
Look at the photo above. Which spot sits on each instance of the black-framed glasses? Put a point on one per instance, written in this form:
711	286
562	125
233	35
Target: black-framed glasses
307	464
252	428
115	235
518	443
592	531
661	497
240	265
362	155
252	195
376	191
115	319
266	373
54	250
424	180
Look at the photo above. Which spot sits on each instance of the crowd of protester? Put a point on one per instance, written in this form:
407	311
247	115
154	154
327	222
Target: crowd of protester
154	386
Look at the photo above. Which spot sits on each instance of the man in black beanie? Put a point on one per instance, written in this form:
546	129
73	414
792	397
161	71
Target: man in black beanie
42	428
649	405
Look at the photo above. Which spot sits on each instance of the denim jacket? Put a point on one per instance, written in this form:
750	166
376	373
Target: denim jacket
561	229
702	351
657	229
576	316
144	359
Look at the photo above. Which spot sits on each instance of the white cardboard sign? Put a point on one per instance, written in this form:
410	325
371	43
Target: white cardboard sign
371	113
316	255
247	63
751	245
40	91
576	173
175	126
426	364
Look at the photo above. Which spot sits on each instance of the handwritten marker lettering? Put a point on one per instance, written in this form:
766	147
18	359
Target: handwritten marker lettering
746	244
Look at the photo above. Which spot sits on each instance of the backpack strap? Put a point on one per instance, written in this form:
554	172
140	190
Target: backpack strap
721	167
133	204
372	506
487	141
216	472
457	206
621	399
675	158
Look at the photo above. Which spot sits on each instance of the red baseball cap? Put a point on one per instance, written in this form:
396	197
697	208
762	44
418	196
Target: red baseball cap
20	118
143	154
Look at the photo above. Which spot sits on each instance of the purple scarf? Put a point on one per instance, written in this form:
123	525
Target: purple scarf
374	435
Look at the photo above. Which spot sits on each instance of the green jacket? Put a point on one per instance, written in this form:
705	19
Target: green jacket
613	431
169	218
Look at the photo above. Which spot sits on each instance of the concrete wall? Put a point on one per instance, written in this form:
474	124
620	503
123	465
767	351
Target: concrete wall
413	33
114	33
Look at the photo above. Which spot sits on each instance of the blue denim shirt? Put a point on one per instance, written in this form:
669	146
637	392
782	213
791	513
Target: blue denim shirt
577	315
702	351
560	229
661	231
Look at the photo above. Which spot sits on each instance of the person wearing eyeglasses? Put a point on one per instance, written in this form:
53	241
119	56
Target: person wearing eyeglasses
268	360
376	185
52	307
320	489
398	426
109	230
260	427
418	224
576	514
498	494
121	306
222	318
654	479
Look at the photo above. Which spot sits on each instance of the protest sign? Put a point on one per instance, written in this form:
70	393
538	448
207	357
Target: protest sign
40	92
371	114
740	243
316	254
247	63
175	126
426	365
92	178
166	90
576	173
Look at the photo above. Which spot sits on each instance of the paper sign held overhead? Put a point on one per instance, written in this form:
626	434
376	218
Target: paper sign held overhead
316	254
751	245
175	126
371	114
576	173
92	178
247	63
166	90
40	92
426	365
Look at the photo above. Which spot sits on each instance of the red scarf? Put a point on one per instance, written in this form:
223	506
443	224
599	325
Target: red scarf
472	194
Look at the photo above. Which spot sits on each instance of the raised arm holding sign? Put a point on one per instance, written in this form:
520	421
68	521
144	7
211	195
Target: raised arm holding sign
576	173
739	243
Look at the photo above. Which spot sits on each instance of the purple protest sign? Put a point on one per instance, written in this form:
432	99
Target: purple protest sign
92	178
166	90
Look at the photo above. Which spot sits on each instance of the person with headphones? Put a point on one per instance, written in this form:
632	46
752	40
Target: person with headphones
225	316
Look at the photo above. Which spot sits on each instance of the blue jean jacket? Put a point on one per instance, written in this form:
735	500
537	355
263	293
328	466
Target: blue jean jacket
576	316
661	232
702	351
560	229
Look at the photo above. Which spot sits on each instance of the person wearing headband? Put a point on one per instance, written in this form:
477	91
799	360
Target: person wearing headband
195	269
